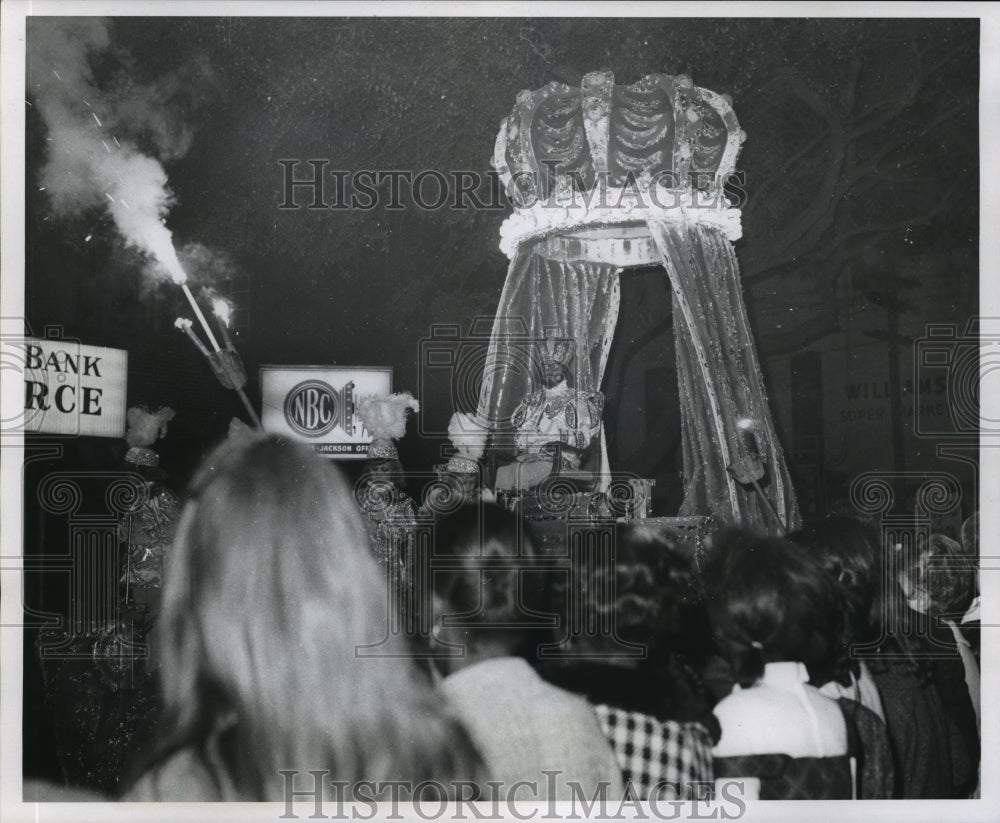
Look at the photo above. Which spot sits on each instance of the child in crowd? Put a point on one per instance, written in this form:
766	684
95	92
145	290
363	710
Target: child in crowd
778	623
535	738
842	546
639	668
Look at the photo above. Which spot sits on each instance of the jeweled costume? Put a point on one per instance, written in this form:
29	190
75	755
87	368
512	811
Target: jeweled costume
555	423
557	415
391	515
102	685
147	529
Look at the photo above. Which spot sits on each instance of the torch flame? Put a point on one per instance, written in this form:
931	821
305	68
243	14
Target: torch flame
222	310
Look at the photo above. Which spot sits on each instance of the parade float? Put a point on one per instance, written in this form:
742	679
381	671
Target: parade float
607	178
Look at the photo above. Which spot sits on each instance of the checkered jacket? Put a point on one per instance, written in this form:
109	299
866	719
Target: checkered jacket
651	752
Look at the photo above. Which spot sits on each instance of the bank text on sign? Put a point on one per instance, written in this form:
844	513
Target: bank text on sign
73	389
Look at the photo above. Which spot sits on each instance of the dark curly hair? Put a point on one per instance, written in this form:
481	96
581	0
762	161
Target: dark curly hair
497	598
769	600
864	571
644	592
946	573
847	549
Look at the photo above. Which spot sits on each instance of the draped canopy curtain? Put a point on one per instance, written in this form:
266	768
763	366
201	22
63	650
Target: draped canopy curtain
720	384
546	297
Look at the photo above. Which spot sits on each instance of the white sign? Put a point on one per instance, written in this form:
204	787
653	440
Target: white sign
74	389
315	405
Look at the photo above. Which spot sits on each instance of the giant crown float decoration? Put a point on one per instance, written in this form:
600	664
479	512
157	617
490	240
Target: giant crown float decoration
661	149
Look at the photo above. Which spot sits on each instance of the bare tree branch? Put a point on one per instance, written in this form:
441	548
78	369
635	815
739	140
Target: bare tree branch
842	246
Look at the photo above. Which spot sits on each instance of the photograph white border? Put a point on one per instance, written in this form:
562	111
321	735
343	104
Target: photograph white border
13	15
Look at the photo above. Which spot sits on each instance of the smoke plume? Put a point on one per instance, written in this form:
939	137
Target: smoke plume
94	157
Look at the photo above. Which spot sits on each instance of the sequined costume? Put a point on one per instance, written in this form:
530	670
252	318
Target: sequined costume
102	700
100	683
548	416
147	530
558	414
391	518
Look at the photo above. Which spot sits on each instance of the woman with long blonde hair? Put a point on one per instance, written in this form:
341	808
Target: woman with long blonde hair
275	650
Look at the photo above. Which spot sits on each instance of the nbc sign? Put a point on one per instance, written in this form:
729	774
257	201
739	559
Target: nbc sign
315	404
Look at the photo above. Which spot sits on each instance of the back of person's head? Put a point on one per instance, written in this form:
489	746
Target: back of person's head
770	601
641	588
487	581
849	551
270	593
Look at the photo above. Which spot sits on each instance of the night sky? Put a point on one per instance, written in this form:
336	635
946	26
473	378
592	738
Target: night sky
861	170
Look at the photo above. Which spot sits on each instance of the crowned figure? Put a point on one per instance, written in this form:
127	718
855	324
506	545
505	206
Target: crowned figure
555	423
391	515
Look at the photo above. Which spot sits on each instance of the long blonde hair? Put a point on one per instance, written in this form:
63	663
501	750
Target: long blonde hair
270	591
